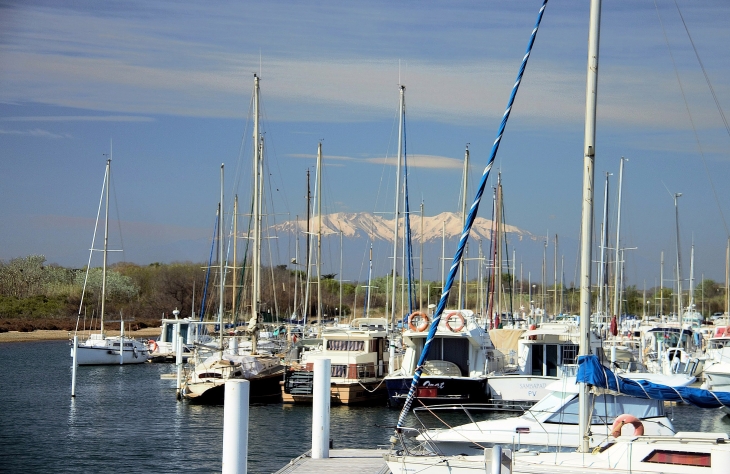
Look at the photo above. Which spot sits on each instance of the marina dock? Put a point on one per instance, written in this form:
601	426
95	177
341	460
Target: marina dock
352	461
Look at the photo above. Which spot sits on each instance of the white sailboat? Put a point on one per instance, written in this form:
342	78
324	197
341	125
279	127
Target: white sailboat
98	348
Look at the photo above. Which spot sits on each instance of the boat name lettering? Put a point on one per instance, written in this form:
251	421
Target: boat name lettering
437	385
528	386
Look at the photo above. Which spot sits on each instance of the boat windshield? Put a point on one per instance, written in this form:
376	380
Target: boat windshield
607	407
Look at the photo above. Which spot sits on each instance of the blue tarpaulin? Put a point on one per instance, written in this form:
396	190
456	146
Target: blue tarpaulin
591	371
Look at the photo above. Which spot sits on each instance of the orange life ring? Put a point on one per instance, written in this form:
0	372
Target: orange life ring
152	345
424	321
532	328
621	420
462	321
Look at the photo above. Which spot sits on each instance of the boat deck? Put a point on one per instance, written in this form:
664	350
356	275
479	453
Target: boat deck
351	461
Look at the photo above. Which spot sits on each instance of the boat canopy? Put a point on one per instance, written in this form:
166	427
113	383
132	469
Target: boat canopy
591	371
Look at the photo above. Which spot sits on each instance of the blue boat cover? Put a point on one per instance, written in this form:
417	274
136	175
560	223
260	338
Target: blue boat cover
591	372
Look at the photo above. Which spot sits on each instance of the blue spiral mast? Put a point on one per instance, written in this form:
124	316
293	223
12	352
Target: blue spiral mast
467	226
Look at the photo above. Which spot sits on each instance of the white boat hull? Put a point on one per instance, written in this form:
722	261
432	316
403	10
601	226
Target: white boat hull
106	352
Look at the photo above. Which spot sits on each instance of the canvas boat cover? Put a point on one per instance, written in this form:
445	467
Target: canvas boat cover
591	372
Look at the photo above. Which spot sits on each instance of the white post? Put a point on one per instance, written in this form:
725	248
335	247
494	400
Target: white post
613	353
321	409
178	361
391	354
235	427
75	366
496	459
121	342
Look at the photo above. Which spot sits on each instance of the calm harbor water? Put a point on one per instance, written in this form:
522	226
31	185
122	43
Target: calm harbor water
126	419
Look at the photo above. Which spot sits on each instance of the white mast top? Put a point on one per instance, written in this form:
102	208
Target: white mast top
397	201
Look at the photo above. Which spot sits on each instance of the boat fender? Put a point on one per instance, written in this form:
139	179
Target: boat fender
462	322
294	338
624	419
532	328
135	353
152	344
424	321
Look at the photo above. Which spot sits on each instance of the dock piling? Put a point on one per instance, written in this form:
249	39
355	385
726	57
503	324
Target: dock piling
235	427
321	409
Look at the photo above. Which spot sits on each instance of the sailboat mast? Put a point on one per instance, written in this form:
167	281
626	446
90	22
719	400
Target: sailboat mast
319	239
679	266
586	240
604	239
420	268
234	280
397	202
255	261
617	263
727	278
221	285
106	241
465	174
498	252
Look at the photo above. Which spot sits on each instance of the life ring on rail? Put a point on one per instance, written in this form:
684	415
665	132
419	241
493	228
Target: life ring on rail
534	337
462	322
152	345
624	419
424	321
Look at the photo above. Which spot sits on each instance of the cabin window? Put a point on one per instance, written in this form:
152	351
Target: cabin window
569	353
169	328
537	359
551	360
683	458
338	370
345	345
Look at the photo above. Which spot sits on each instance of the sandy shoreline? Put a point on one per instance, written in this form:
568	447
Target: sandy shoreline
43	335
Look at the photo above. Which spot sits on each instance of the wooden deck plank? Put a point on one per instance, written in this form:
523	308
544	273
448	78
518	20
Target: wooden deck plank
351	461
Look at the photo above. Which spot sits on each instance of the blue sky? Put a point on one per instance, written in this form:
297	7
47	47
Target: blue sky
170	84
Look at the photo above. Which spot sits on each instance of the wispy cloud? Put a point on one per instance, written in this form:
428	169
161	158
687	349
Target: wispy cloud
37	132
421	161
311	156
79	118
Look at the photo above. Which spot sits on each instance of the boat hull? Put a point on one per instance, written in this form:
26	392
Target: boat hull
104	353
297	388
263	389
438	390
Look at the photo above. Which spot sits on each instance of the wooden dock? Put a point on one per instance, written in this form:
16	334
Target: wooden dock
351	461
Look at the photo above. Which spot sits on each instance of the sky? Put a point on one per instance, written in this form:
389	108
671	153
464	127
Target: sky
166	88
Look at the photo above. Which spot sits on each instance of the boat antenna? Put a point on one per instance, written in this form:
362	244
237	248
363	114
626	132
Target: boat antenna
467	226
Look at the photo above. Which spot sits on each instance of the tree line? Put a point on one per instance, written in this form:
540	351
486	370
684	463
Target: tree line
37	295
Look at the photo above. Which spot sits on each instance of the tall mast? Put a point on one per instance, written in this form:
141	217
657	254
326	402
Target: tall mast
555	276
234	281
679	265
318	195
617	263
661	284
397	202
586	235
420	268
727	278
604	239
257	207
463	220
498	250
340	307
221	269
106	239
